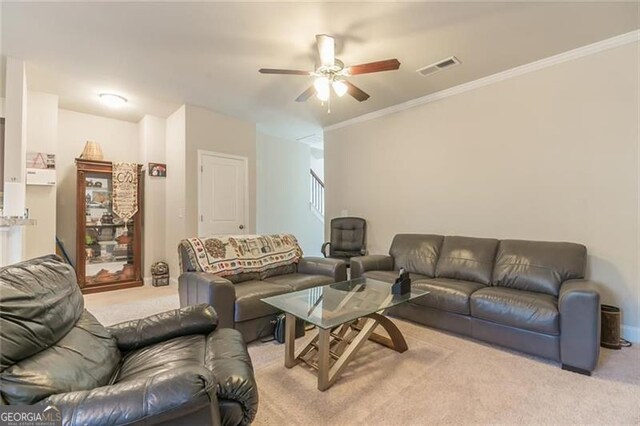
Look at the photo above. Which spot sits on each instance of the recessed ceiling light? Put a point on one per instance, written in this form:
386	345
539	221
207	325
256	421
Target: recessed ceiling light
113	101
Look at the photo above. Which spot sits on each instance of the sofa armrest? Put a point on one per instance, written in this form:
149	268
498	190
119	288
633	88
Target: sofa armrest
201	287
373	262
334	268
134	334
163	397
579	305
227	357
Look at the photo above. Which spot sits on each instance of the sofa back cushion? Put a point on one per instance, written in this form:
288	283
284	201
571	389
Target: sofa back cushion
416	253
347	234
538	265
85	358
467	258
41	302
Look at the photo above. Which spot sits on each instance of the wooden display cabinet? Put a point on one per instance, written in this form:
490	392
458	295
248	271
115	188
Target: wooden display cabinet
108	253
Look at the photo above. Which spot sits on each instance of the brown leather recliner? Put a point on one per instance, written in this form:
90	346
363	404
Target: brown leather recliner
177	367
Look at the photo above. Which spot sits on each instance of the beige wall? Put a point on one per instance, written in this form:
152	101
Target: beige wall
119	142
42	136
284	191
175	187
211	131
550	155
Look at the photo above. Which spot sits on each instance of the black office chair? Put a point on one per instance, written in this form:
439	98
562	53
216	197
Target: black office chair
347	238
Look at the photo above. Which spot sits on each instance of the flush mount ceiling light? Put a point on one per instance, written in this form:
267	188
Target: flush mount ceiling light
332	74
112	100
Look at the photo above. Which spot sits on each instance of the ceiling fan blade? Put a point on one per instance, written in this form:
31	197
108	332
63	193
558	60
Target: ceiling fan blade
359	94
306	94
326	49
386	65
277	71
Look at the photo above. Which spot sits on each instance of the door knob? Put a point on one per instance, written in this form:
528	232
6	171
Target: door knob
241	226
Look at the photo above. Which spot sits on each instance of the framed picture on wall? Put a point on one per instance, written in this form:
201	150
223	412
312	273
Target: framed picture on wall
157	170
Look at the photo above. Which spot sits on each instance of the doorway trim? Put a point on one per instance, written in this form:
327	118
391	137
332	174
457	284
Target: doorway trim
245	160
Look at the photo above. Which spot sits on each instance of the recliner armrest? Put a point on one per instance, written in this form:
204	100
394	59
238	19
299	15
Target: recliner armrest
144	400
579	306
202	287
373	262
134	334
334	268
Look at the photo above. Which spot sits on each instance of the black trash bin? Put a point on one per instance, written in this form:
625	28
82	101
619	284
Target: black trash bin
610	327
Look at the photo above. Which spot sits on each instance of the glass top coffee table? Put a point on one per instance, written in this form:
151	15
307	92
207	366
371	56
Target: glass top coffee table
346	315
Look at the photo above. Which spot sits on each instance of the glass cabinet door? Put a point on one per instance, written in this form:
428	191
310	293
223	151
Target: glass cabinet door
109	242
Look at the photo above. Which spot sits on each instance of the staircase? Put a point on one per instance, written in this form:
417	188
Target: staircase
317	195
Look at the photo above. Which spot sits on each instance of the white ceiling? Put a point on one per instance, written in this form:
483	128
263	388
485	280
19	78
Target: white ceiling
161	55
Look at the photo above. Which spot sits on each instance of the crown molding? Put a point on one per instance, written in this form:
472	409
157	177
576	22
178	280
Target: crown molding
580	52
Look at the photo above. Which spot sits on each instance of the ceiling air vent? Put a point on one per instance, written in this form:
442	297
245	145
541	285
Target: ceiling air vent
438	66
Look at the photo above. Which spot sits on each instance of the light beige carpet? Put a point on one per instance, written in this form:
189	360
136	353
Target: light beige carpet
441	379
445	379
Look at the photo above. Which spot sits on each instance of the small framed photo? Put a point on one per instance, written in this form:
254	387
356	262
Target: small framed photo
157	170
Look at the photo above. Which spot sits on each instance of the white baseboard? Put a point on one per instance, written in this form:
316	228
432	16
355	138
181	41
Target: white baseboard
631	333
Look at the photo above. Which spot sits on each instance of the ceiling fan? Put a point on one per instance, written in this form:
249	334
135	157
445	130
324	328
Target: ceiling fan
331	73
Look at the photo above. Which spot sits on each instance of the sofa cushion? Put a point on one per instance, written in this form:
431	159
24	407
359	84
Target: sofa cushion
537	265
446	294
85	358
416	252
516	308
466	258
248	294
300	281
161	357
41	302
390	276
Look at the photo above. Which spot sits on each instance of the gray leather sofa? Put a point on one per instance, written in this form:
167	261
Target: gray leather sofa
526	295
236	299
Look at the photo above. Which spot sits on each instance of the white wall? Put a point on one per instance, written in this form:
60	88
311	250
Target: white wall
284	191
119	142
14	159
175	187
550	155
152	149
42	136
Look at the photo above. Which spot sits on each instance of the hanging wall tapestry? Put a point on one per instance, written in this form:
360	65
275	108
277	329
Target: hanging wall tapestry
125	190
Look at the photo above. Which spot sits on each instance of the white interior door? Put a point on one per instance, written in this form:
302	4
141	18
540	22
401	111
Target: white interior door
222	195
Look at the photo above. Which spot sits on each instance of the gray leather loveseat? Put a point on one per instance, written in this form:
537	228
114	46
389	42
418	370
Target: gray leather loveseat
237	298
526	295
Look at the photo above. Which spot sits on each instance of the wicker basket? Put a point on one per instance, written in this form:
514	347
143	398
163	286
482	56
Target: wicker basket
92	151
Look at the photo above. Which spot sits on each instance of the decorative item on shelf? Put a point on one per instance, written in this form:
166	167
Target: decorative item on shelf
402	284
92	151
160	274
157	170
124	239
107	218
128	271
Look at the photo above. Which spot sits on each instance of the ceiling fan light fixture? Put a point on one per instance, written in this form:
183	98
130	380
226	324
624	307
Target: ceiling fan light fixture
322	87
339	87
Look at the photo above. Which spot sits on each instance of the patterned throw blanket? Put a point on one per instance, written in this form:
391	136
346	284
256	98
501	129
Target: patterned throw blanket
235	255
